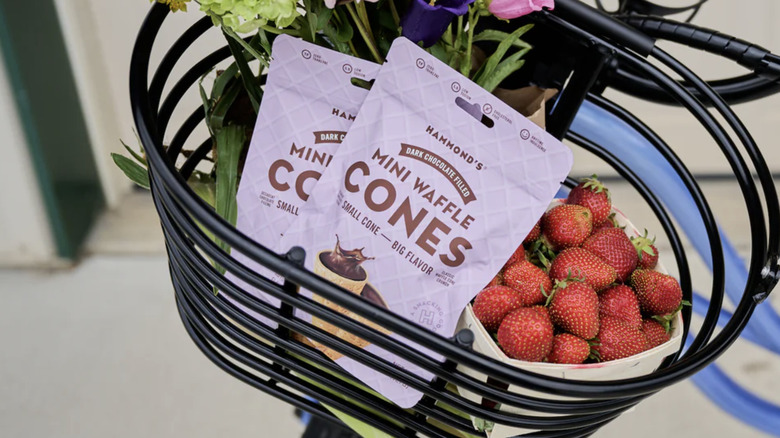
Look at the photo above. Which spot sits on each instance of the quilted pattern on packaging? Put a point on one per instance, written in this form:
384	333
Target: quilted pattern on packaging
432	200
308	104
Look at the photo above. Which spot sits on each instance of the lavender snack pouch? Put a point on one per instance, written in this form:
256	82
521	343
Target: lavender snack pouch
434	187
308	103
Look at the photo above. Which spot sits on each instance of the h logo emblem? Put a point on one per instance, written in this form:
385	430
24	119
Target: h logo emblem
426	317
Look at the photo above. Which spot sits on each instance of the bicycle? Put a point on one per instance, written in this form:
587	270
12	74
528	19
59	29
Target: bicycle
593	51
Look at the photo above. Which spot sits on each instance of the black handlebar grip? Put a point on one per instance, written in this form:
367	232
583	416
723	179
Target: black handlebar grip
601	24
745	53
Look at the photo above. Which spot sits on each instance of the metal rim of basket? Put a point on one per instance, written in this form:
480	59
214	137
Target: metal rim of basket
229	337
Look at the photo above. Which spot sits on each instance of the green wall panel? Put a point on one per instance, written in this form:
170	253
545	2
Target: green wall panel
47	100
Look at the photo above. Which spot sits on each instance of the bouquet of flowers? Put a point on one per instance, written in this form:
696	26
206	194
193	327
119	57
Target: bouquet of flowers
448	29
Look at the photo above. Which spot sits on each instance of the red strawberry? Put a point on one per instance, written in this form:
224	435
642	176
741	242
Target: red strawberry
655	332
566	226
536	231
620	302
582	263
615	249
543	310
498	280
526	334
646	251
592	194
574	307
658	293
494	303
516	256
609	222
617	340
567	348
529	281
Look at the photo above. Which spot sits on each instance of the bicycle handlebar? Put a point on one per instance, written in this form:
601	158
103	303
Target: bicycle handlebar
639	33
746	54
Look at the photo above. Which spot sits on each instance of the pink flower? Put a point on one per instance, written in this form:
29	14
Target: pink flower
332	3
508	9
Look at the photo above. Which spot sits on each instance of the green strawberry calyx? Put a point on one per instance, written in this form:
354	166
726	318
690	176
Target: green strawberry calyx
643	244
562	284
594	354
541	254
595	185
666	320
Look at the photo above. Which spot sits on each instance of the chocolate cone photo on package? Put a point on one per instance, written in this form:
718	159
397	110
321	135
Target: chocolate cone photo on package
344	267
309	102
434	187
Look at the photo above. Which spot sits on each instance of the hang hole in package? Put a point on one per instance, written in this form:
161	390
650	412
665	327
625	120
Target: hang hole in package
310	100
434	187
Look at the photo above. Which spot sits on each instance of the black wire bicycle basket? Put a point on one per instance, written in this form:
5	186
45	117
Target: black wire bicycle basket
275	360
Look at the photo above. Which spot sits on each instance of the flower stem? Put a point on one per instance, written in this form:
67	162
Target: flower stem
465	68
367	36
394	11
459	34
274	30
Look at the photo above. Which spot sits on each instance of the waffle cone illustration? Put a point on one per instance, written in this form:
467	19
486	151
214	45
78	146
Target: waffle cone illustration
343	267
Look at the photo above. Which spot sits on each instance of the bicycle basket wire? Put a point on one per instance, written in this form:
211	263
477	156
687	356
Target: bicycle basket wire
276	361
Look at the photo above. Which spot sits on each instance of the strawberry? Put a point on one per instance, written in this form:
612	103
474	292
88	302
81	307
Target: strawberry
613	246
620	302
536	231
591	194
617	340
566	226
655	332
498	280
494	303
529	281
567	348
609	222
574	308
526	334
579	262
516	256
646	251
658	293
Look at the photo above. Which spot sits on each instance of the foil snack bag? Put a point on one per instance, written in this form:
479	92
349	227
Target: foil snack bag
434	187
308	103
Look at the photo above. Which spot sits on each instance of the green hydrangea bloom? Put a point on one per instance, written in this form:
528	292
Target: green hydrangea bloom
175	5
245	16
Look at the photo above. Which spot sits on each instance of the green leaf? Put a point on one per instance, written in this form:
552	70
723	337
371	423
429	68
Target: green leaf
204	186
250	84
323	17
440	52
207	102
230	141
499	36
135	154
132	170
344	32
492	62
223	104
504	69
222	81
331	32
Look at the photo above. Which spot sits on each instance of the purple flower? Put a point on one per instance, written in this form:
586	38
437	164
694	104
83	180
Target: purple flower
426	21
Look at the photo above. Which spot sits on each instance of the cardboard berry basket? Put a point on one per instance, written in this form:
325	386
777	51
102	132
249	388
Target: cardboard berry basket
634	366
